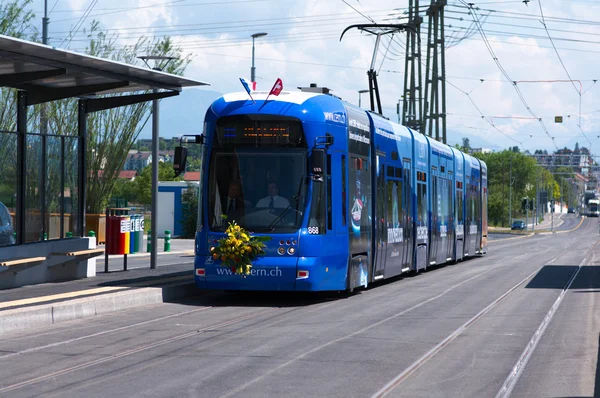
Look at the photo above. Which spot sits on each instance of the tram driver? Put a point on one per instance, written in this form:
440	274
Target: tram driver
273	200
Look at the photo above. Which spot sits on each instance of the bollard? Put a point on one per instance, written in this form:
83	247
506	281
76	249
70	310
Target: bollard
167	247
91	234
69	234
149	243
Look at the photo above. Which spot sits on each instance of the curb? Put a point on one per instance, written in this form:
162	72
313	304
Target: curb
26	318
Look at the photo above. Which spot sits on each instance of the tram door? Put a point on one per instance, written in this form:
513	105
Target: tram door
380	235
407	256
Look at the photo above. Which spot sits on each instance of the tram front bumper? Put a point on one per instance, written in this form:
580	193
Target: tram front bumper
270	274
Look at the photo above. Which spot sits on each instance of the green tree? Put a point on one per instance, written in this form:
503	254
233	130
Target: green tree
524	175
143	183
112	133
125	189
15	21
190	211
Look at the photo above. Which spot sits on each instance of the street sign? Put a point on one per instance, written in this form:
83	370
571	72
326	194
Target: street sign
558	119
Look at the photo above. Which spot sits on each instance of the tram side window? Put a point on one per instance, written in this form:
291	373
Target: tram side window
459	206
435	210
394	210
399	209
329	209
318	214
421	204
448	205
344	212
477	195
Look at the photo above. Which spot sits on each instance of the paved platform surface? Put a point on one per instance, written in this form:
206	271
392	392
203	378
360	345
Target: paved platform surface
48	303
101	284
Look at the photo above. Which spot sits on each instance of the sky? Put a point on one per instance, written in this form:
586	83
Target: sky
511	66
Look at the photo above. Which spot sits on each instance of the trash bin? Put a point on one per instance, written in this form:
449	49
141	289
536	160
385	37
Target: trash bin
118	230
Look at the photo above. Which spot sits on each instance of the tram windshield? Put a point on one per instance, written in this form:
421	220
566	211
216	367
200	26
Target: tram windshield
261	189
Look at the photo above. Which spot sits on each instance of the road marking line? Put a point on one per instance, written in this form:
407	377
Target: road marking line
517	370
267	373
130	352
119	329
396	381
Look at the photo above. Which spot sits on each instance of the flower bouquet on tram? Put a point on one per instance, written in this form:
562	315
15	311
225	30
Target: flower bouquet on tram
237	250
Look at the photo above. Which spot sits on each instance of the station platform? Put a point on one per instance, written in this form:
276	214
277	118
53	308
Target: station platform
45	304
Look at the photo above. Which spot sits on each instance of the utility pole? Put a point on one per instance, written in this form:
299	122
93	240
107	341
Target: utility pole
537	197
45	23
510	181
412	107
155	147
44	122
435	74
561	195
527	215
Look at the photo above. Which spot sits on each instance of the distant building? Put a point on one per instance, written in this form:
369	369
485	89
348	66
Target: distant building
191	176
579	160
137	161
481	150
128	175
166	156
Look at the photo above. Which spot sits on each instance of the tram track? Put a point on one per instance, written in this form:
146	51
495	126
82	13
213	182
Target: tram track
519	366
133	351
234	333
517	370
252	328
240	388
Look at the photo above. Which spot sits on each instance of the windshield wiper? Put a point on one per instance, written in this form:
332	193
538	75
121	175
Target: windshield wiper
287	209
271	226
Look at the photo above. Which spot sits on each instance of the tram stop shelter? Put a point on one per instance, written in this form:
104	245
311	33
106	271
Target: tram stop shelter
43	175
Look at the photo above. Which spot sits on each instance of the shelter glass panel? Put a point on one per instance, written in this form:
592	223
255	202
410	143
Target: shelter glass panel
8	187
53	194
71	189
33	189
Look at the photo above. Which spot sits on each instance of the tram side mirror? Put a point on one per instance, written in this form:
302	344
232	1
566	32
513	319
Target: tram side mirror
179	160
317	162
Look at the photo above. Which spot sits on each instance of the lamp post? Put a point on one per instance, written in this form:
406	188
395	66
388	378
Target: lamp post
360	92
155	136
253	69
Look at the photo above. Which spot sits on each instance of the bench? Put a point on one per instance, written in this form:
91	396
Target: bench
20	263
80	255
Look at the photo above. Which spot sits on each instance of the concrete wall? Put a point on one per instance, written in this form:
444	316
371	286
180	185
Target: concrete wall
54	269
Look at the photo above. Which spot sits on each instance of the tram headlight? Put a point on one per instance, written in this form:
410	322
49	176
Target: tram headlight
291	250
281	250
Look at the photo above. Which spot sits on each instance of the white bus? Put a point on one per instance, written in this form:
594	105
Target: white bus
593	206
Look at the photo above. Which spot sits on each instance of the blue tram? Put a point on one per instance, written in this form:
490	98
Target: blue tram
347	196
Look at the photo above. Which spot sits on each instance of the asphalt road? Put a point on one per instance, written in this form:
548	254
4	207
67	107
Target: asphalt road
523	320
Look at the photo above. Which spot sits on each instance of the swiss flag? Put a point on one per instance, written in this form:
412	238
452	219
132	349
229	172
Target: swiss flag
277	87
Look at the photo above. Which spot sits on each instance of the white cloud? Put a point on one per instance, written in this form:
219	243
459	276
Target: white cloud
303	47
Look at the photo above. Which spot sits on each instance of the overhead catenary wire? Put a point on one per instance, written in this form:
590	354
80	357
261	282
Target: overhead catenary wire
79	23
390	50
504	72
579	92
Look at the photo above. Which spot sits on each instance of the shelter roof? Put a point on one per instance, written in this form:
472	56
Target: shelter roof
49	73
